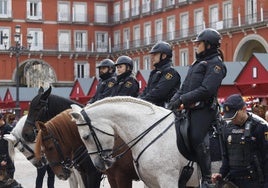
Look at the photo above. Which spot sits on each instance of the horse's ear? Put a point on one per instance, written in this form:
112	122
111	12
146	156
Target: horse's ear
46	94
41	126
41	90
75	113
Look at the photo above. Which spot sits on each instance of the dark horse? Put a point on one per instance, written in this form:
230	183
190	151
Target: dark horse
59	138
45	106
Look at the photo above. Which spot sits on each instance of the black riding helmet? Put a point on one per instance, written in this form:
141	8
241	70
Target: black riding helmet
107	63
163	48
210	36
125	60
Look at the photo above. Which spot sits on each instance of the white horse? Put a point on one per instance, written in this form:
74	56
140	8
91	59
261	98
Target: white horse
27	149
157	159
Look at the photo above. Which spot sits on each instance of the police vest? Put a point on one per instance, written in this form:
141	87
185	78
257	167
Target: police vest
240	147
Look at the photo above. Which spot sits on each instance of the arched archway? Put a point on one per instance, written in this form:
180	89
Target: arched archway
35	73
249	45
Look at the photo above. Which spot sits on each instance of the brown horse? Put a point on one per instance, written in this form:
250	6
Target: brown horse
59	139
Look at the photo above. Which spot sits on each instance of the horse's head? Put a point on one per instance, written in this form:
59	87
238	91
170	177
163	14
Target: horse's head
58	140
26	148
98	137
37	111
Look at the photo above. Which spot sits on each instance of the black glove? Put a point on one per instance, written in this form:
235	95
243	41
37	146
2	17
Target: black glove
174	104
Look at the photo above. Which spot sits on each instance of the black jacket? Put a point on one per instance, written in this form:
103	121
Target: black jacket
104	89
163	83
126	85
203	80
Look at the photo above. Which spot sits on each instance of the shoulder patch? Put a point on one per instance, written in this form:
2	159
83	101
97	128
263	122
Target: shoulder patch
128	84
217	69
168	76
110	84
266	136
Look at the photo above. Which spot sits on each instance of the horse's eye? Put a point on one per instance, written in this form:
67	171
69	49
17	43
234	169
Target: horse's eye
85	137
50	148
22	149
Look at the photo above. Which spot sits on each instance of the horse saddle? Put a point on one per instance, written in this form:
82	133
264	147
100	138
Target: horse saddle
183	142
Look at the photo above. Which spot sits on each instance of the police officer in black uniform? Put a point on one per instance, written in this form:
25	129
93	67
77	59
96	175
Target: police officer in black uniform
164	80
126	83
106	81
198	95
245	139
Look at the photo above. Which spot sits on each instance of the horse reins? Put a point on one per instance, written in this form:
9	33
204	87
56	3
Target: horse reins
134	141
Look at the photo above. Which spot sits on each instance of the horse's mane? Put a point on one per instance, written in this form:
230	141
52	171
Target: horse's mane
62	128
57	100
118	99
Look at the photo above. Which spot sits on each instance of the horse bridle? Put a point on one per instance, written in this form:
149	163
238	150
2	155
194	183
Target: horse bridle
65	163
100	151
22	146
42	110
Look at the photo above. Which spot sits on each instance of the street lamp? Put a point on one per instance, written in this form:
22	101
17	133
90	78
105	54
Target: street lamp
18	49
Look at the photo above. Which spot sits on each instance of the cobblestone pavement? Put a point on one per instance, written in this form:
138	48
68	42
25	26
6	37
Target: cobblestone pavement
25	174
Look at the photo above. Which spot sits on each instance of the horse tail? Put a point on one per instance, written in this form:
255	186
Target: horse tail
37	150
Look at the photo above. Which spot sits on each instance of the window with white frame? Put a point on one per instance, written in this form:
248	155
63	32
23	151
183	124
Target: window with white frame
81	69
227	14
184	57
34	9
136	64
171	27
117	40
147	33
213	16
157	4
102	41
126	9
170	2
4	32
37	41
80	41
63	11
64	41
116	12
101	13
158	30
79	12
137	36
184	24
147	62
146	6
135	10
251	11
126	38
5	8
198	20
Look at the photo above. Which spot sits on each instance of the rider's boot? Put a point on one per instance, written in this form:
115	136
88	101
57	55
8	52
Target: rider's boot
203	160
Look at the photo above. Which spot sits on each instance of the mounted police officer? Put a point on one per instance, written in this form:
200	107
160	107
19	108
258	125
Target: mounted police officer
245	139
126	83
106	81
198	95
164	80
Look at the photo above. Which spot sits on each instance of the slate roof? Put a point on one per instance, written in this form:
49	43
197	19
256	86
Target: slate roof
263	59
2	93
26	93
86	84
62	91
233	70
